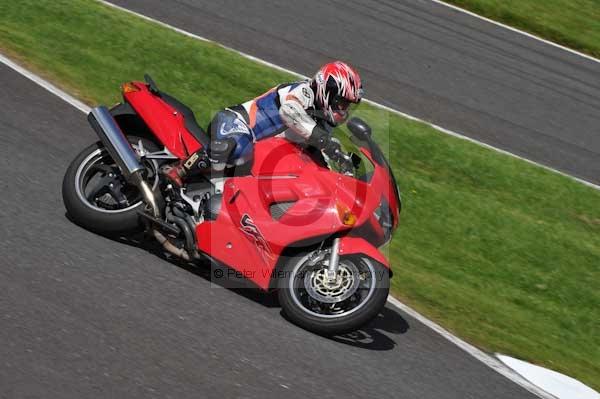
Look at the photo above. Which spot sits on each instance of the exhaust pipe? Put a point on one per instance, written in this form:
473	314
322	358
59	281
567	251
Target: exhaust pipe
114	140
122	153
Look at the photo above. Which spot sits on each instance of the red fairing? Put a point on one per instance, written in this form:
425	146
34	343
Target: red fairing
163	120
389	193
249	239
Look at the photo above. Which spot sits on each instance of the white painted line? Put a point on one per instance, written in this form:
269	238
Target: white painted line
394	111
532	36
45	84
560	385
481	356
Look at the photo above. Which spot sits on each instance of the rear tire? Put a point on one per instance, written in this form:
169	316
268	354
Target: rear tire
294	303
99	214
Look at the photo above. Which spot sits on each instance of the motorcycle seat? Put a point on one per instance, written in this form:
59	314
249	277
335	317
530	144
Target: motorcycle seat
189	119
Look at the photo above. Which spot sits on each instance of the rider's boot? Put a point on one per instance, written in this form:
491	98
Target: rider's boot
200	162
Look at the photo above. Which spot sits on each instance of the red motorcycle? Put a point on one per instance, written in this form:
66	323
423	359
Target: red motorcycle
292	219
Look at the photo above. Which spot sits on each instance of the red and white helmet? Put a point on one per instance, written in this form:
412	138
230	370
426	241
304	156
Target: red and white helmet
337	86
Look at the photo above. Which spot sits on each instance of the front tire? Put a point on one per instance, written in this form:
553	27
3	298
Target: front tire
96	195
357	296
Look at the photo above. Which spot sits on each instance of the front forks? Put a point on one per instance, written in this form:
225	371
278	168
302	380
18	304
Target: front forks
334	260
319	256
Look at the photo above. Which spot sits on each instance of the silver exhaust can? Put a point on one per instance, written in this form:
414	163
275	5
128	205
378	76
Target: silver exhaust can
114	140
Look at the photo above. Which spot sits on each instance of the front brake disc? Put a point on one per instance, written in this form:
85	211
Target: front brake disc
320	288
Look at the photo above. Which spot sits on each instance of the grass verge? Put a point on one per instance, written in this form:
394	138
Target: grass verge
572	23
503	253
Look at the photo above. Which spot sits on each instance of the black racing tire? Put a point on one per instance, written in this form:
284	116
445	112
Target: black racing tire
90	216
342	324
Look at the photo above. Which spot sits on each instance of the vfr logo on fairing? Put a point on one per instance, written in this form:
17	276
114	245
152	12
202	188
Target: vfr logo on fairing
249	228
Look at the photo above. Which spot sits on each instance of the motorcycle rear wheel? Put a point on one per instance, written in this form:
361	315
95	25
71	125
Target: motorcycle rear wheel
96	195
355	298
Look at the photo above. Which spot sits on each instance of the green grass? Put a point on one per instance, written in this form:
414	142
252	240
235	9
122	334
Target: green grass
573	23
503	253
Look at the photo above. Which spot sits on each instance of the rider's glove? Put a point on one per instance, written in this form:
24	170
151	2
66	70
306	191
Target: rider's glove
319	137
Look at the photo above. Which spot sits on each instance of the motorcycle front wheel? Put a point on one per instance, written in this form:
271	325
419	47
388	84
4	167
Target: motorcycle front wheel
332	306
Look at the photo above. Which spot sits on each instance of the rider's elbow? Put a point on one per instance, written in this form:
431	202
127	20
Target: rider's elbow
296	118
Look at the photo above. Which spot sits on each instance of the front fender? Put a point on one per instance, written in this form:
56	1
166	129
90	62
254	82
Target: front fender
357	245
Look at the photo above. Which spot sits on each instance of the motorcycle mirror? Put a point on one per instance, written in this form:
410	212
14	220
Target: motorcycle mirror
359	128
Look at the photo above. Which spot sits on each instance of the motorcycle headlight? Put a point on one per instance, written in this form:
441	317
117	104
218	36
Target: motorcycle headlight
383	214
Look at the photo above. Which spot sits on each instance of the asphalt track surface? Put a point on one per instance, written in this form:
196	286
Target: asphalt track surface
84	316
422	58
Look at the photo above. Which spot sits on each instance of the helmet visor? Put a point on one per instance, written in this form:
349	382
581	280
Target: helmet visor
340	103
